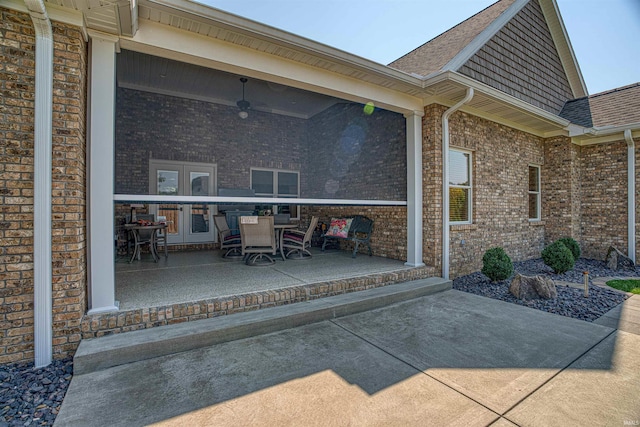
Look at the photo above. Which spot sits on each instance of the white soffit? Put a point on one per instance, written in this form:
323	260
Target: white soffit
210	22
492	104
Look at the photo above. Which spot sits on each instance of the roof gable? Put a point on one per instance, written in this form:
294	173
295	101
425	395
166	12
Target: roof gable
434	55
614	107
521	59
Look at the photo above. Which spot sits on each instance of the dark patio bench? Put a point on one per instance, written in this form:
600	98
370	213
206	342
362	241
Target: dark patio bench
359	232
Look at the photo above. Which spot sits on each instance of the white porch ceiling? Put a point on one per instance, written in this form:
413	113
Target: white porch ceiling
165	76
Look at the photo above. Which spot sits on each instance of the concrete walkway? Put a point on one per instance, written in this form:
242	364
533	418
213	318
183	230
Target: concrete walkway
444	359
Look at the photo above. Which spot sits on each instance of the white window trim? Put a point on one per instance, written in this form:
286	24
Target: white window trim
538	193
275	194
469	187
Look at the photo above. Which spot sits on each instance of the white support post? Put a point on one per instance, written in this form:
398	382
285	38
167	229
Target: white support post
101	174
414	189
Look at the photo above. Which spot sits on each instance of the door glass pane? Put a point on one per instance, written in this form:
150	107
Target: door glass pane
171	214
199	183
200	219
167	182
287	184
458	168
262	181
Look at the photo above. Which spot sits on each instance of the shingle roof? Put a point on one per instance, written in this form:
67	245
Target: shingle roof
611	108
436	53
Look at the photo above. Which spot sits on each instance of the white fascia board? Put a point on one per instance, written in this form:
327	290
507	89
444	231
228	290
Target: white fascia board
563	44
55	13
601	135
217	17
166	41
481	39
498	95
212	200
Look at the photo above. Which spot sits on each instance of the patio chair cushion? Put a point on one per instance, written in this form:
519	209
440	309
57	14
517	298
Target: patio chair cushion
339	227
292	236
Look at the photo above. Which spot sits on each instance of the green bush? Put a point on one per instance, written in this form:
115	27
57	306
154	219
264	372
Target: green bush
572	245
496	264
558	257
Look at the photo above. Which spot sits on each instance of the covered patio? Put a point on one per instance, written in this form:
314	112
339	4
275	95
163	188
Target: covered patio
185	277
183	138
193	285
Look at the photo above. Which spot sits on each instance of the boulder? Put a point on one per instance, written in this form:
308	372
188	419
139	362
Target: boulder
533	287
617	260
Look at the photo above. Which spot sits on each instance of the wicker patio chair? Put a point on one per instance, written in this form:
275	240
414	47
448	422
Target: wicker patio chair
258	240
229	239
296	243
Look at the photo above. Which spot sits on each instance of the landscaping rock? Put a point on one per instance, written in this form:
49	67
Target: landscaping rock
617	260
533	287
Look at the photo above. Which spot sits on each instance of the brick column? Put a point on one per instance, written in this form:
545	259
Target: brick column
561	189
432	185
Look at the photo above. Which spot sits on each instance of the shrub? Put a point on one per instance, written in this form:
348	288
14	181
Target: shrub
572	245
496	264
558	257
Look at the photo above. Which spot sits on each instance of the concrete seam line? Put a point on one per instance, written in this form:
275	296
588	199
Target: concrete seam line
415	367
559	372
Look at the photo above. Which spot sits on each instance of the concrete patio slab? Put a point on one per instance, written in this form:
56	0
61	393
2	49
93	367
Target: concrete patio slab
117	349
448	358
601	388
494	352
312	375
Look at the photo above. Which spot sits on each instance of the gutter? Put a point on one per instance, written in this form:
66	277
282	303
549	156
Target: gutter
631	195
42	279
445	181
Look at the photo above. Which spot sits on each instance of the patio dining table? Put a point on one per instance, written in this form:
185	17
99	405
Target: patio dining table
135	230
280	228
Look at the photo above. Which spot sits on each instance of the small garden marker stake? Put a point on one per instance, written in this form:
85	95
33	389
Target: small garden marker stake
586	284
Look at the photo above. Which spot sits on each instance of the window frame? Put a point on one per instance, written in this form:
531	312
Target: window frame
468	187
537	193
275	193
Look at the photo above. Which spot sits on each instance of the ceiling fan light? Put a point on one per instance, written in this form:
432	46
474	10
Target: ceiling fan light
243	114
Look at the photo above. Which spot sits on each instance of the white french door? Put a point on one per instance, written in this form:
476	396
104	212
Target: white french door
186	223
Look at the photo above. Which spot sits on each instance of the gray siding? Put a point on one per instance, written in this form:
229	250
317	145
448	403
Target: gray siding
521	60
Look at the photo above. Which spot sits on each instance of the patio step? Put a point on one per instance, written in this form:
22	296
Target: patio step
109	351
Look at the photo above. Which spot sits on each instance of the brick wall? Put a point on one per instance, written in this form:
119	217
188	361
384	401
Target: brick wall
604	198
561	177
69	193
353	155
17	85
389	237
501	157
163	127
341	153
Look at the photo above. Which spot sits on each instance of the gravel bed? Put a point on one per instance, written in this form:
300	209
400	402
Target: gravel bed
30	396
570	302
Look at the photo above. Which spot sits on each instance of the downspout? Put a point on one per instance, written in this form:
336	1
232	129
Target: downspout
631	194
42	304
445	181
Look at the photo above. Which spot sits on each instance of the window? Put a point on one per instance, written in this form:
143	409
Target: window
534	193
277	183
460	194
